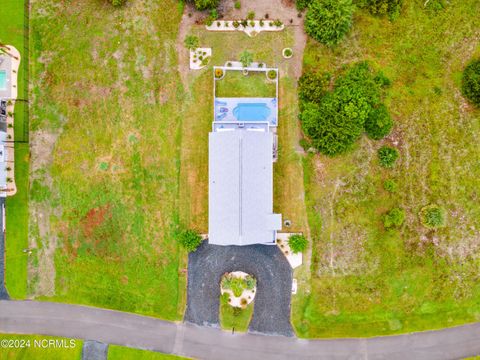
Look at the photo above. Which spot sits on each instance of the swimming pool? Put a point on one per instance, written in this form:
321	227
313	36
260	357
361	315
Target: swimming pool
3	80
251	112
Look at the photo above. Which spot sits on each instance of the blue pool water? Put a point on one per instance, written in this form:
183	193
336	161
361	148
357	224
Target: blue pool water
251	112
3	79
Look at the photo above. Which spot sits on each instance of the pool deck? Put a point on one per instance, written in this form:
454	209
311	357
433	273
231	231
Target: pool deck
224	109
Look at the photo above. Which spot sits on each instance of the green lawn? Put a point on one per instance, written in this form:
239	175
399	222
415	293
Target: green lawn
108	99
124	353
234	319
29	347
12	33
366	280
235	84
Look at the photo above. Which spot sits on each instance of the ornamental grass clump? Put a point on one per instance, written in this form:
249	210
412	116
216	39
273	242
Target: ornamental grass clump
433	216
387	156
297	243
190	240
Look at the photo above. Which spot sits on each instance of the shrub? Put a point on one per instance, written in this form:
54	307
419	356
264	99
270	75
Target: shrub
436	5
378	123
244	23
381	79
208	21
387	156
277	23
297	243
218	73
251	15
205	61
302	4
246	58
272	74
117	2
190	240
385	7
471	82
250	282
394	218
229	64
313	86
236	24
252	23
191	42
214	14
237	5
261	22
205	4
432	216
288	52
390	185
328	21
331	128
237	284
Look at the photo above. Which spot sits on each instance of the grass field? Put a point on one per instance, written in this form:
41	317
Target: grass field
229	319
108	114
124	353
235	84
12	33
28	347
369	281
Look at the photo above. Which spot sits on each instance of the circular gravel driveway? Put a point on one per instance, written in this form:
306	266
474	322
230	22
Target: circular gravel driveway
271	314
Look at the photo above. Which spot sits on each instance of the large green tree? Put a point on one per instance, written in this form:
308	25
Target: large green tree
328	21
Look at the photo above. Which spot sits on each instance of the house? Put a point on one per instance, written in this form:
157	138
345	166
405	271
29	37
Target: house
241	156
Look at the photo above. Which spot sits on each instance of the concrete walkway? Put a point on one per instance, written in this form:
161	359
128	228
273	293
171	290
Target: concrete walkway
113	327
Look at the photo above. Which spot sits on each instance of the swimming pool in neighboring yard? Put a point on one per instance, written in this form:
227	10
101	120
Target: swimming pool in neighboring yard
251	112
3	80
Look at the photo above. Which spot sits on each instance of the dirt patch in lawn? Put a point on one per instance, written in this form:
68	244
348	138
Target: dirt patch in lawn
94	218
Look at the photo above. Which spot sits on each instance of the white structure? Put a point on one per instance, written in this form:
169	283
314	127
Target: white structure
253	26
199	58
242	149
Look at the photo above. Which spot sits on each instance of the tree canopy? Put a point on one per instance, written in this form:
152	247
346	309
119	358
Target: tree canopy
328	21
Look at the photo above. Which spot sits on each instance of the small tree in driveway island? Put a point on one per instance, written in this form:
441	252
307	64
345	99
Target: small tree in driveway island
190	240
297	243
246	58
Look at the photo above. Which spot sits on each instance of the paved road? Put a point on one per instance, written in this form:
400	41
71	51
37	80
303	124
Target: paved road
112	327
271	314
3	290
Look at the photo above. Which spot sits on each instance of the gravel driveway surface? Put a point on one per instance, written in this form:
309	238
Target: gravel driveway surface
267	264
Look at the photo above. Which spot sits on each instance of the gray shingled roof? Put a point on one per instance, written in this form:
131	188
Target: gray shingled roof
241	188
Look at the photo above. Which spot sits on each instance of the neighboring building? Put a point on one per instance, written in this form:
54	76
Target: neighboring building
241	155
